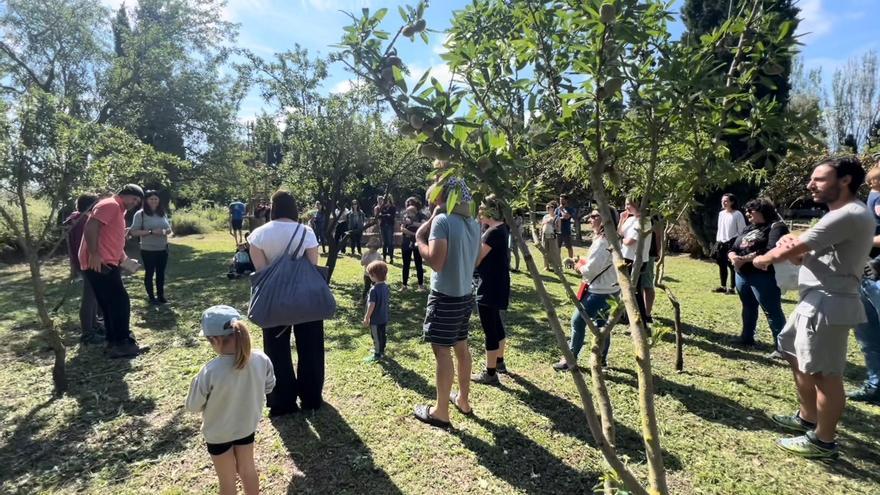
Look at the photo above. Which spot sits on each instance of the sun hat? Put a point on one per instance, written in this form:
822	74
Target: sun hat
217	320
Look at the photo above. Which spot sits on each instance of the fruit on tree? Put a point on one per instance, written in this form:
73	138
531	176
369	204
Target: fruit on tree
607	13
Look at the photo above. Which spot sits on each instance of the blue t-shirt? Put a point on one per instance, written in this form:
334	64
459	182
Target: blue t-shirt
565	228
379	294
462	237
237	209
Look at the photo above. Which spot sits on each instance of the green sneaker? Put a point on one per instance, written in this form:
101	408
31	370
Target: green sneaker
372	358
793	422
866	393
807	446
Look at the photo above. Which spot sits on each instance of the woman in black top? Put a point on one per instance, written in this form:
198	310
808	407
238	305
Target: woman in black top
493	291
412	220
758	288
387	214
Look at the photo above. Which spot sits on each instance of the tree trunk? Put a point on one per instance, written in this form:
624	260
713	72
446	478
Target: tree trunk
596	430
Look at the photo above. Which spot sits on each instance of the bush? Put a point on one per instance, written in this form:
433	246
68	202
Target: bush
198	221
681	239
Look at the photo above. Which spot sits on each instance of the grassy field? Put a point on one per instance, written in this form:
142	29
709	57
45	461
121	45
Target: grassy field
122	429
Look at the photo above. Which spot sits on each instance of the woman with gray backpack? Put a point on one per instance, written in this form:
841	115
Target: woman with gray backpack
290	296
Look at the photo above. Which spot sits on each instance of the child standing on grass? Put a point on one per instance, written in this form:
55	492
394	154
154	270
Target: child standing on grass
370	256
377	308
230	392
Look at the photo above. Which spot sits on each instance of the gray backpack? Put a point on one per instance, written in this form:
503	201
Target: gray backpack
290	291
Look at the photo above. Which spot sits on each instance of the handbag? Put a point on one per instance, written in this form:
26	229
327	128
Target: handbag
584	288
290	291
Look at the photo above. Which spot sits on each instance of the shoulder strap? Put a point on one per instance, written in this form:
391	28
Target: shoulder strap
301	240
287	249
590	282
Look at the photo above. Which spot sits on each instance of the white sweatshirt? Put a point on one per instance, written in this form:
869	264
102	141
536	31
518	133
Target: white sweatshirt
598	259
231	400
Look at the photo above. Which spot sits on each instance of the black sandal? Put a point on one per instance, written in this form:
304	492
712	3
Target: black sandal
422	413
453	397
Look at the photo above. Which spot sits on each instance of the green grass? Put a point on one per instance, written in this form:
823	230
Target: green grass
122	429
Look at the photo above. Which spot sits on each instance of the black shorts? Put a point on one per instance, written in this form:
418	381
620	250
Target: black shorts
564	240
236	224
221	448
447	318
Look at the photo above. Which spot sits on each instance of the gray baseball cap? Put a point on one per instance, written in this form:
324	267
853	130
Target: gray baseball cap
217	320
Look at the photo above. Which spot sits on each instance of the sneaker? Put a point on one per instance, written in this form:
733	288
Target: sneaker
501	367
561	366
485	378
91	338
866	393
731	292
372	358
404	288
775	355
792	422
719	290
422	288
126	350
808	446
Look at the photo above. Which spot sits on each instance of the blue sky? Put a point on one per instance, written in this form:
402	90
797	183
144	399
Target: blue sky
833	31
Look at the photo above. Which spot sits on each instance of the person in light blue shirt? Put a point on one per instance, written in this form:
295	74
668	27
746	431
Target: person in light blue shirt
237	211
449	243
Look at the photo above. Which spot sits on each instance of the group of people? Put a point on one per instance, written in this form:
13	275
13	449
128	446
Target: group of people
470	262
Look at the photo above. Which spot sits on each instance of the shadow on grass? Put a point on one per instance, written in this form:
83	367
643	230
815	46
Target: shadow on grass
107	432
569	419
520	461
408	379
329	456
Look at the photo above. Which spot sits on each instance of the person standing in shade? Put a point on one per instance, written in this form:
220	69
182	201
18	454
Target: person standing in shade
548	238
449	243
814	341
237	211
731	224
356	220
92	330
318	224
493	291
868	333
268	243
757	288
564	215
387	215
151	225
412	220
101	253
341	228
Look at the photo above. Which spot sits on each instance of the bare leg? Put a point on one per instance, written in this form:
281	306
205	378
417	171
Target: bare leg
806	390
445	374
465	363
247	468
830	401
224	464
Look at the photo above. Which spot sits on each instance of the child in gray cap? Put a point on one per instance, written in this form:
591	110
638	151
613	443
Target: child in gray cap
230	392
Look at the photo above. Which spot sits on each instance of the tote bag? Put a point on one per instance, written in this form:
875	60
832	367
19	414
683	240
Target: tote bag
786	275
290	291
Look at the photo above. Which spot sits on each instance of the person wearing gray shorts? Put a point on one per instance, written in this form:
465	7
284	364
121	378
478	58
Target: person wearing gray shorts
814	340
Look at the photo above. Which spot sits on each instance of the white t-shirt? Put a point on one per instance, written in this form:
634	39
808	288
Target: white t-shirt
631	231
272	237
730	225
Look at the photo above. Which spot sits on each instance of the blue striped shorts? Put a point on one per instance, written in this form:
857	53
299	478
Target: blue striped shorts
447	318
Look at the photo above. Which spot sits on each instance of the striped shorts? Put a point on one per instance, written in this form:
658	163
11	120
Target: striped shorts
447	318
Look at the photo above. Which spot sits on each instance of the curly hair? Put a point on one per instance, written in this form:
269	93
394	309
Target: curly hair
765	207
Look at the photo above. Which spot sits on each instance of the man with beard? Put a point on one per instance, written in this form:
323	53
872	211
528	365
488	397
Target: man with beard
814	340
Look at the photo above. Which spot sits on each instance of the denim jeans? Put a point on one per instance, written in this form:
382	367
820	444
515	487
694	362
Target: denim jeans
759	291
868	333
597	308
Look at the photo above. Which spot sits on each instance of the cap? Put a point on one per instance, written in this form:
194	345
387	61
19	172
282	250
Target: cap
131	190
217	320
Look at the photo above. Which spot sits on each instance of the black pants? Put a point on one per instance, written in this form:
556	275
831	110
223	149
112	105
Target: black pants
411	252
725	267
114	303
308	381
88	308
337	236
155	263
387	231
355	238
493	326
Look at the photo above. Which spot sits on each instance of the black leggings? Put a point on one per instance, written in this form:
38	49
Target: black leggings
725	267
308	381
114	303
493	326
155	262
411	252
380	338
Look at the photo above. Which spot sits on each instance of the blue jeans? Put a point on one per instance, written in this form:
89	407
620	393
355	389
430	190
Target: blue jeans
597	308
387	232
868	334
759	291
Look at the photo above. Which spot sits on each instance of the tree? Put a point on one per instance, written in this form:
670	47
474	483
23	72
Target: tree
853	107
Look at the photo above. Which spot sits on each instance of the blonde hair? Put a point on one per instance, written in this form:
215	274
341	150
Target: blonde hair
242	343
874	173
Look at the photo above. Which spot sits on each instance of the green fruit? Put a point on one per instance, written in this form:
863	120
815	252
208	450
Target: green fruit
601	93
613	85
416	122
446	152
773	69
393	60
420	25
607	13
433	122
429	150
409	31
485	163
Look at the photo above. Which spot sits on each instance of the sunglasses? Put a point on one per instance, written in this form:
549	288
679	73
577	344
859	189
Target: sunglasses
595	216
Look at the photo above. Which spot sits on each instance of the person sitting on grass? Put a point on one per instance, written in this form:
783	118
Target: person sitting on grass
376	317
241	261
230	391
370	256
449	243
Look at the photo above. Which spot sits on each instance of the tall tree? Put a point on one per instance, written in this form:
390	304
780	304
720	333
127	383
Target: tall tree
853	107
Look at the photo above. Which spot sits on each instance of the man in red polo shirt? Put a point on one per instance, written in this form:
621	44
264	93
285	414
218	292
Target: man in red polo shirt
100	254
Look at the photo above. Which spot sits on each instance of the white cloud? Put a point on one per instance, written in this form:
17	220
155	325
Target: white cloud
343	86
815	20
327	5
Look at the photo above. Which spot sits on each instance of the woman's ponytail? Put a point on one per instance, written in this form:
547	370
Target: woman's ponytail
242	344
